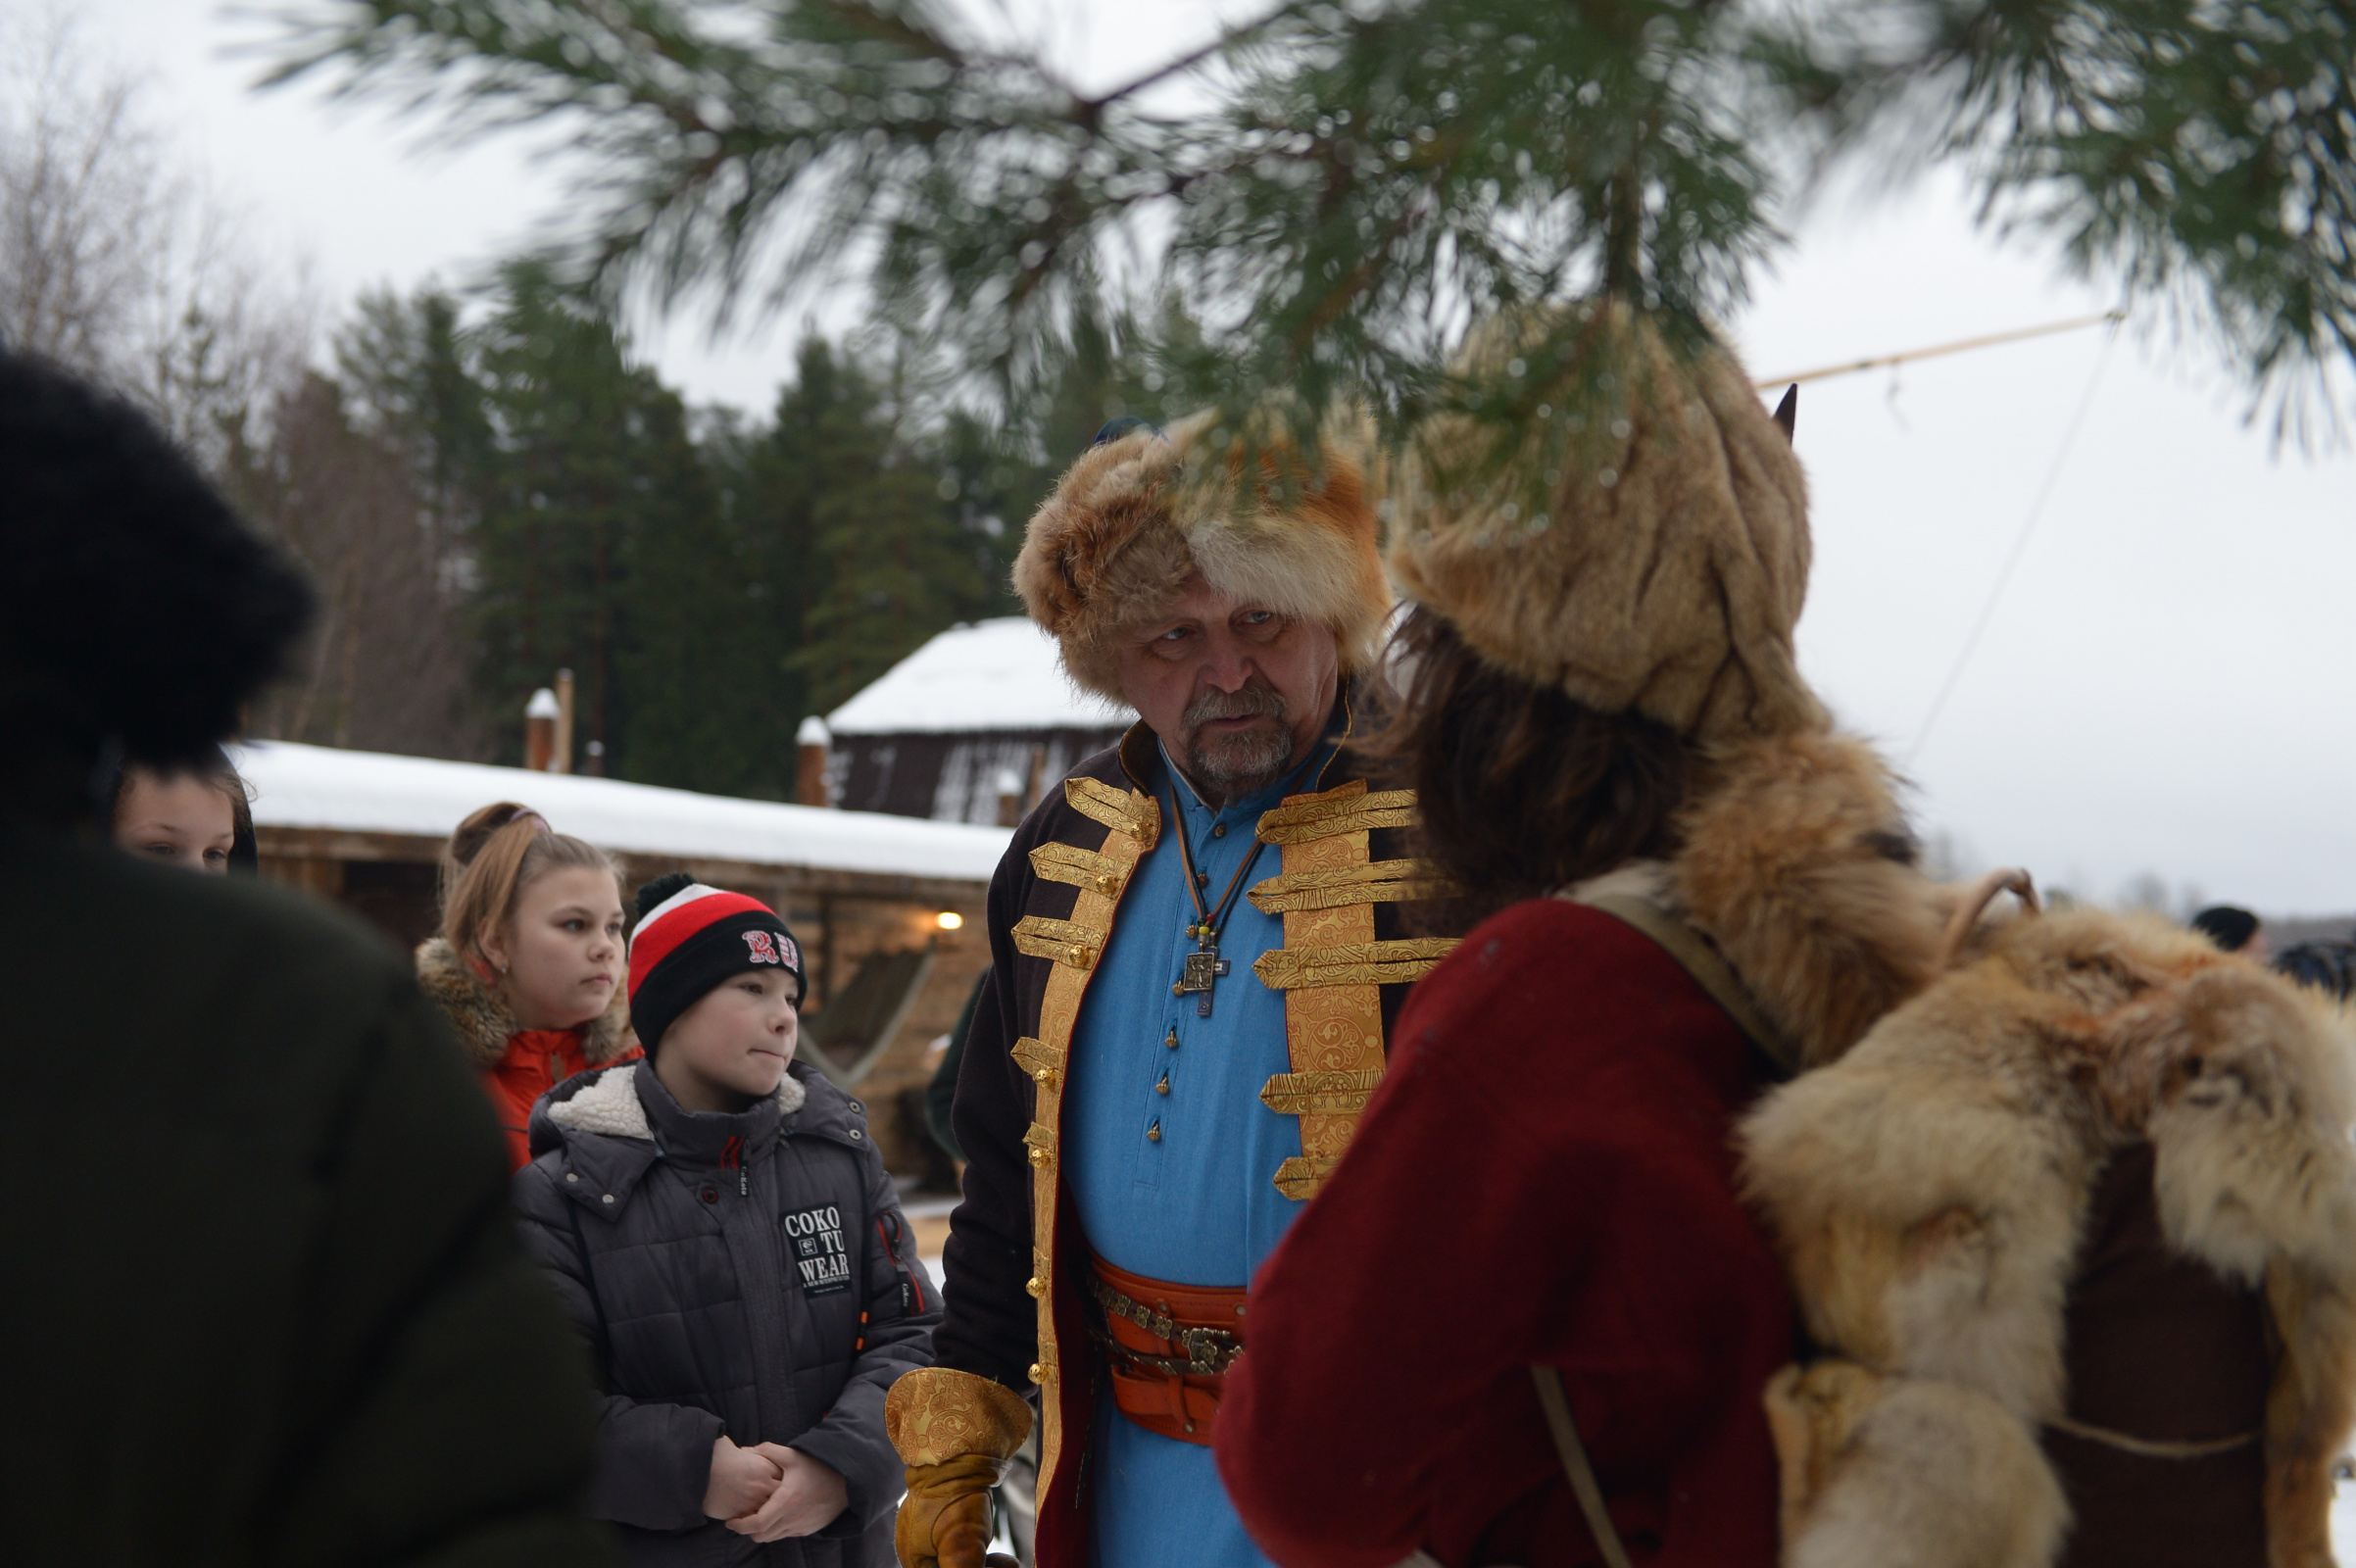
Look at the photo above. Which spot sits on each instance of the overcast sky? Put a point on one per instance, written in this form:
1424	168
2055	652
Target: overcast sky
2162	688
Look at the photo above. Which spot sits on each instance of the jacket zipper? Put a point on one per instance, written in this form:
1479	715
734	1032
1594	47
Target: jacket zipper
907	1276
732	1158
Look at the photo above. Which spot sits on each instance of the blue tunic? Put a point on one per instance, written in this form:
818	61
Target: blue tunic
1199	1205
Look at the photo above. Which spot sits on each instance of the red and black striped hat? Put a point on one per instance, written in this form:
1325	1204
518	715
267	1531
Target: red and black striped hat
691	938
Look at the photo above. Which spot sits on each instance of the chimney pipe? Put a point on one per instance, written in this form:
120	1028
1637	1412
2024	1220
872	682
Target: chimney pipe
811	748
561	762
540	717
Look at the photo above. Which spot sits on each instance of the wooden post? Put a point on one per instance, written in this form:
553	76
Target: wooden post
540	718
825	975
561	762
1035	787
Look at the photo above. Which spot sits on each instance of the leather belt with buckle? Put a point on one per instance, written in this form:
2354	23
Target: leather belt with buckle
1209	1351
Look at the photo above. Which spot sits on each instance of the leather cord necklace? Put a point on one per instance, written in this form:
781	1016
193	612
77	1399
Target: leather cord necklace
1204	967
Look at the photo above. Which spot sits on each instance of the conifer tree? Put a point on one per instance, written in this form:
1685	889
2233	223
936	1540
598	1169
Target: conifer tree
877	557
403	363
995	474
594	480
707	700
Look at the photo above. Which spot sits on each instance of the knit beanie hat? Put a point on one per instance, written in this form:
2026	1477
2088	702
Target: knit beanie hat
691	938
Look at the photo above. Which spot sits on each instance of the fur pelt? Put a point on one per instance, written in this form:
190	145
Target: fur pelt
611	1106
1113	546
1930	1187
1799	864
1669	567
484	1023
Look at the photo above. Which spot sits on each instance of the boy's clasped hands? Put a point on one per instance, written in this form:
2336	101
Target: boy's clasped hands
771	1491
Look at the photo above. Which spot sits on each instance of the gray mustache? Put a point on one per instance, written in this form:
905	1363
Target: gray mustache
1253	700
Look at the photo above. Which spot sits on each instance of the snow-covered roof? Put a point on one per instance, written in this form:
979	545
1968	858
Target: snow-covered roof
987	675
368	791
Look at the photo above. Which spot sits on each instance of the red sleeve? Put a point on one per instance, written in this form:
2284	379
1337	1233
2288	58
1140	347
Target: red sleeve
1546	1176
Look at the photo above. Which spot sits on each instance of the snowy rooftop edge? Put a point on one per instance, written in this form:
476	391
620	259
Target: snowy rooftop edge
997	674
300	786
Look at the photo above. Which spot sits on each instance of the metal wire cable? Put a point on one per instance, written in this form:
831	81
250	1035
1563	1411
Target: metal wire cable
2019	547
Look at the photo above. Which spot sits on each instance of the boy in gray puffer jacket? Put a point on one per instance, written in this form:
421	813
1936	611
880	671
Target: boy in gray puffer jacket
724	1234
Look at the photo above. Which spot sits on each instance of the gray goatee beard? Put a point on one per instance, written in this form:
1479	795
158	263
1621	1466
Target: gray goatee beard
1240	765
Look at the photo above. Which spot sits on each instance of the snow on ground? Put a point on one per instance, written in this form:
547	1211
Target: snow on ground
990	674
321	787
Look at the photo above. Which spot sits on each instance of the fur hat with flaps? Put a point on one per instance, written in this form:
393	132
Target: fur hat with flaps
1669	563
1141	510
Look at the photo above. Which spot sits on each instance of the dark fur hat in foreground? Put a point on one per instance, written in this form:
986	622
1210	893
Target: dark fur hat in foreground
138	609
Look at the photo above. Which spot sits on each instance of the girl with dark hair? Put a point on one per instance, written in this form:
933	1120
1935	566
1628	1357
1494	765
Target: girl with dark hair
529	961
197	816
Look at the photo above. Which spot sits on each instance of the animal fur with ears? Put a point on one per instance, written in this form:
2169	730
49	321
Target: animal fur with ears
1798	864
484	1023
1112	546
1928	1191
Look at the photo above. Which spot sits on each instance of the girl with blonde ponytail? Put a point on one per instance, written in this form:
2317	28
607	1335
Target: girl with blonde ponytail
529	961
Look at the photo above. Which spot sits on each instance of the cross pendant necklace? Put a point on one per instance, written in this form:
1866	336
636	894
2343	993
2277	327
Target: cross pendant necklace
1203	968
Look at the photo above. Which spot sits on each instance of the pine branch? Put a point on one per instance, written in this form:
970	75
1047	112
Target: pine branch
1369	182
2199	154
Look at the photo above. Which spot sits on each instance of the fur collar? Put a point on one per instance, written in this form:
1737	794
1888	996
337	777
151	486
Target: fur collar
611	1106
482	1020
1798	864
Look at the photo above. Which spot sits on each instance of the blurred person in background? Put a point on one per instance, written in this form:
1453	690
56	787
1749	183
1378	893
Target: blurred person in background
266	1304
2328	967
529	961
196	816
2234	930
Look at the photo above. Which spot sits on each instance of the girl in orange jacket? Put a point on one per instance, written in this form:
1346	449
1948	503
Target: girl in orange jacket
530	958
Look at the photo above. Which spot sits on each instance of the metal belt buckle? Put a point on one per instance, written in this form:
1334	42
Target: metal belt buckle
1207	1350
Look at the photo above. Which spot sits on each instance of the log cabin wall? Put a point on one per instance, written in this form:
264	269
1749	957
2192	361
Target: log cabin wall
954	776
840	918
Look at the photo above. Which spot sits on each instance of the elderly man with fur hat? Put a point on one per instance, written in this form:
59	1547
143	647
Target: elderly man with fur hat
1196	956
1691	885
